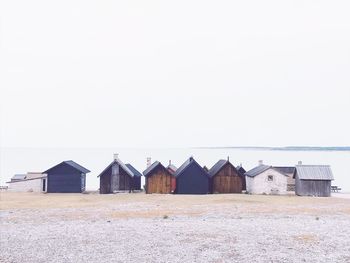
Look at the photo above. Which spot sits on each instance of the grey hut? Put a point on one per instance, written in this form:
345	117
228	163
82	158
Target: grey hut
313	180
116	177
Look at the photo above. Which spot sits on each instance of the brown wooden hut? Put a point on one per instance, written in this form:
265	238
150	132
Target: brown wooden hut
225	178
158	179
117	177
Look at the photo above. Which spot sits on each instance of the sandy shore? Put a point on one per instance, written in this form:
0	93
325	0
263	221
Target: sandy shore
173	228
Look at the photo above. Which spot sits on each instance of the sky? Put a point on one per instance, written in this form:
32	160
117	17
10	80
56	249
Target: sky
174	74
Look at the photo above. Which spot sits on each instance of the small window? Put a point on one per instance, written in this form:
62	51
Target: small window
270	178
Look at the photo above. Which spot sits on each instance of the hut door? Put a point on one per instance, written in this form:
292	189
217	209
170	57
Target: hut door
44	185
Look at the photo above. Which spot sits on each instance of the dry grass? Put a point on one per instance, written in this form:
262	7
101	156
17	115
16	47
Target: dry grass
142	205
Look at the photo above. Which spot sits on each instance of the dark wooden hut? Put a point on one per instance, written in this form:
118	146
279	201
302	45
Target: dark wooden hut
313	180
136	178
158	179
66	177
191	178
242	172
225	178
116	177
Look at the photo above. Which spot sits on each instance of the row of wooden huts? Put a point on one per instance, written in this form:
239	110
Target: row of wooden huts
189	178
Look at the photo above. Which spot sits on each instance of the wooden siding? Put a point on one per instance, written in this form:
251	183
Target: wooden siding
320	188
122	181
64	179
227	180
193	180
159	182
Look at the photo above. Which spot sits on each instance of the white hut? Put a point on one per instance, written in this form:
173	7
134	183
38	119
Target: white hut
30	182
265	179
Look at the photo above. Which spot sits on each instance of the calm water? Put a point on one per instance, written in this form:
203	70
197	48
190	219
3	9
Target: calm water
18	160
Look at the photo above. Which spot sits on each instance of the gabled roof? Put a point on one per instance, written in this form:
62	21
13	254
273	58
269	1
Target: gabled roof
172	167
18	177
241	170
134	171
258	170
314	172
285	169
187	163
152	167
217	167
121	164
72	164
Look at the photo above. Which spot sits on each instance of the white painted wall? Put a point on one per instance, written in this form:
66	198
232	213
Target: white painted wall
259	184
34	185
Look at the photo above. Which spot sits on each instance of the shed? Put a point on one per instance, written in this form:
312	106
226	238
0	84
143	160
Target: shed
116	177
30	182
313	180
158	179
66	177
191	178
288	170
137	177
225	178
241	172
172	169
264	179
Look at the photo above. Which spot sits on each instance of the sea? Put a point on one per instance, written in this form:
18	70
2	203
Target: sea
23	160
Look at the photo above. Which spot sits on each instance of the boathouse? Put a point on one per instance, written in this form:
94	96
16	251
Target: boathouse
158	179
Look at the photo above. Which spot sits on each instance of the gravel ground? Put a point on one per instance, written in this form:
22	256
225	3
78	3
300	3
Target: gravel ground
179	229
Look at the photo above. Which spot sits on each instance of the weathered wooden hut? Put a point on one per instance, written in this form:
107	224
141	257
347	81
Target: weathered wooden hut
116	177
241	172
225	178
191	178
289	171
313	180
158	179
264	179
136	178
66	177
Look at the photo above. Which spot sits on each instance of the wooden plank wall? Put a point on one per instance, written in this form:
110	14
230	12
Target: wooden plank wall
227	181
159	182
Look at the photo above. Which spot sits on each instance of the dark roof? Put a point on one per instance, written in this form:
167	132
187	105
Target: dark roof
120	163
241	170
72	164
285	169
314	172
217	167
258	170
183	167
152	167
133	169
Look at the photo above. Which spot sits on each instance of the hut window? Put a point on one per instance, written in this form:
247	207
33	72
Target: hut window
270	178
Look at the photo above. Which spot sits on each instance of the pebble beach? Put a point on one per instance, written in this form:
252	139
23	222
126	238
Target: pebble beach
173	228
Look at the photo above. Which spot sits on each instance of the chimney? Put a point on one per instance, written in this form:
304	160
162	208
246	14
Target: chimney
261	162
169	162
300	162
149	161
115	156
228	158
191	158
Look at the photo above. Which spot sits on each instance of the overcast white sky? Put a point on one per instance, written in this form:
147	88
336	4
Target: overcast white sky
174	73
